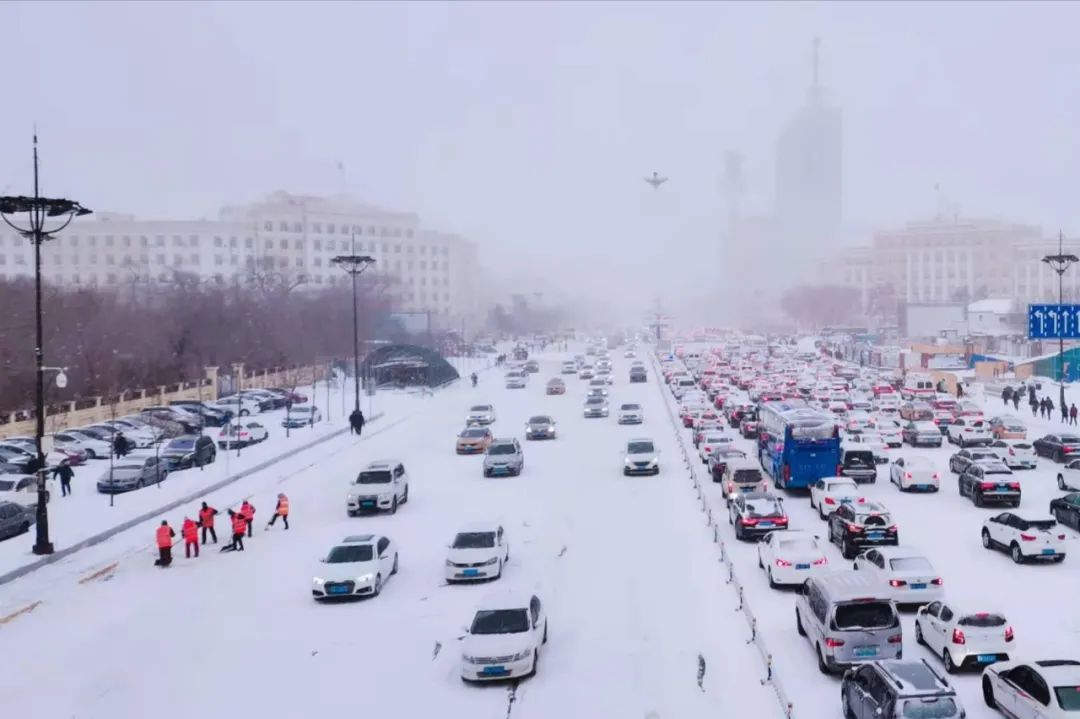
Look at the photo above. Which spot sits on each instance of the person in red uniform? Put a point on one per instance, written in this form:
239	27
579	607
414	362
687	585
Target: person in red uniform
239	526
190	532
247	511
206	521
164	537
281	510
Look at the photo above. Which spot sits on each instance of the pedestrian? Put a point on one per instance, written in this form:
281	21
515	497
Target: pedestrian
206	521
164	537
1031	394
1006	395
1034	406
1049	408
356	421
190	532
281	510
120	445
64	473
247	511
239	524
959	389
1064	413
1016	401
1072	414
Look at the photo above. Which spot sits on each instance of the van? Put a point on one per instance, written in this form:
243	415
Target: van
917	384
848	620
858	463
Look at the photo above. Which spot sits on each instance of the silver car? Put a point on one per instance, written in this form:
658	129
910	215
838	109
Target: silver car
132	473
504	458
540	427
15	519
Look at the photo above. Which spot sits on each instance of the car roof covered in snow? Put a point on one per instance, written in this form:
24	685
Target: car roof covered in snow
511	598
359	539
382	463
478	527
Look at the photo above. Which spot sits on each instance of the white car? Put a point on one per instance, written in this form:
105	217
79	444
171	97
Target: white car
887	403
631	413
358	567
1016	454
606	376
1042	689
858	422
790	557
871	441
141	439
828	493
381	486
241	434
713	441
77	441
907	577
517	379
585	372
1025	536
480	414
966	431
915	473
641	457
963	640
890	431
569	367
478	551
504	639
239	406
22	489
1068	476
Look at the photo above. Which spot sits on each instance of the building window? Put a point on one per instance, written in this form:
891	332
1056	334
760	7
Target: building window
110	260
282	262
218	242
299	261
193	240
298	244
269	244
177	260
111	278
357	230
283	226
127	240
331	244
330	229
219	260
268	226
318	261
408	233
108	240
93	241
248	243
316	244
161	259
423	249
298	227
233	259
232	242
317	226
283	244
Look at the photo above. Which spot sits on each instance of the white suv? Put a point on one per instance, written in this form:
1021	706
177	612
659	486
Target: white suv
1025	536
966	431
504	639
382	485
631	413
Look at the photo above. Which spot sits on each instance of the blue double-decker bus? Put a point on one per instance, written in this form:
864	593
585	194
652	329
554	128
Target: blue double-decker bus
797	445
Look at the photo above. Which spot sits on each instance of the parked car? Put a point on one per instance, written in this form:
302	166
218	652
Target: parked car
856	526
1016	454
15	519
241	434
132	473
503	458
383	485
829	493
474	439
960	461
239	405
1007	427
898	689
479	551
1025	537
921	434
741	476
1067	510
211	416
1058	447
1068	477
858	463
359	566
964	640
987	483
23	489
77	441
302	416
915	474
188	451
968	431
17	461
504	639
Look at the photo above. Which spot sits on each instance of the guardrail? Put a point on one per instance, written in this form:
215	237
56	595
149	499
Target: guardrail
787	706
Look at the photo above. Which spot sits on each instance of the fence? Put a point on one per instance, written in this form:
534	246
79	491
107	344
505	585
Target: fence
771	679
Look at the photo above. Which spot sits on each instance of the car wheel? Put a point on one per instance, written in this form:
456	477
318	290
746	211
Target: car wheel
772	582
626	472
798	624
244	413
350	512
24	528
90	454
988	693
536	663
918	633
378	586
393	570
761	565
821	665
544	640
405	496
848	714
393	505
977	498
986	542
946	658
738	531
845	549
1059	559
1061	482
962	442
821	514
1016	554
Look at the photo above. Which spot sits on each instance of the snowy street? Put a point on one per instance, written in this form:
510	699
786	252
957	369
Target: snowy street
624	565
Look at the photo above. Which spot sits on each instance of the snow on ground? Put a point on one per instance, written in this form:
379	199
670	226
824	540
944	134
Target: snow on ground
1038	600
624	565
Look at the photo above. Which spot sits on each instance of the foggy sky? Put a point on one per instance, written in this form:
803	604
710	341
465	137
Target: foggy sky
528	127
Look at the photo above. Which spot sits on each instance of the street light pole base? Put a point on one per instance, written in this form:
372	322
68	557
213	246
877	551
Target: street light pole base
43	548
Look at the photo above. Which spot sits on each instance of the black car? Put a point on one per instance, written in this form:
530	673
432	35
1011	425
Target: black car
188	451
963	459
1058	447
211	416
638	375
719	459
989	484
1067	510
853	527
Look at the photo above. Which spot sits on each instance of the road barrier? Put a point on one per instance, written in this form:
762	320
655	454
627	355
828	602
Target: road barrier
787	706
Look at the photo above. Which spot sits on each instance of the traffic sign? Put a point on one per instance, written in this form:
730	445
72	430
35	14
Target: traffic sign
1051	322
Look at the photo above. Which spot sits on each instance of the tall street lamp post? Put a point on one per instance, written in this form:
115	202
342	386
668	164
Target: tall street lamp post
1059	263
40	211
354	265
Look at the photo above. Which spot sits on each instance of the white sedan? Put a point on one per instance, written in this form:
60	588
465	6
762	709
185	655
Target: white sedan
74	440
1044	689
477	552
915	473
504	639
713	441
907	577
890	431
357	567
1016	454
1025	536
631	413
963	640
789	557
241	434
22	489
828	493
1068	477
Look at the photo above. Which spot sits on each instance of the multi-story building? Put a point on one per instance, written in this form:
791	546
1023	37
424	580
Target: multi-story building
284	237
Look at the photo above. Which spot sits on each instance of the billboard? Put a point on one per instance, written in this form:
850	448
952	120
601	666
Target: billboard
918	320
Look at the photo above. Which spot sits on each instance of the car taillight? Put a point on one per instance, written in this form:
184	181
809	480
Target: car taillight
985	486
854	528
1061	536
937	581
936	475
907	475
892	529
833	643
783	520
730	487
1012	452
958	637
1067	450
821	562
896	638
897	583
748	521
1009	634
783	563
1014	485
787	472
839	469
1027	537
830	500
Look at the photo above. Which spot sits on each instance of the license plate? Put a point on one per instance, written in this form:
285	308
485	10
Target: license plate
802	566
866	651
918	586
1049	552
875	535
765	524
986	658
367	503
846	500
495	671
339	590
470	573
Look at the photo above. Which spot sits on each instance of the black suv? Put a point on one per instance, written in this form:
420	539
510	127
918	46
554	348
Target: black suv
895	688
211	416
638	374
989	484
853	527
188	451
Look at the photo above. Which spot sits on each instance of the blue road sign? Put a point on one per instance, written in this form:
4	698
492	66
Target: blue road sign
1051	322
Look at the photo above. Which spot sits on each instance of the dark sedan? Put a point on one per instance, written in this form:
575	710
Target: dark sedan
1067	510
132	473
1058	447
188	451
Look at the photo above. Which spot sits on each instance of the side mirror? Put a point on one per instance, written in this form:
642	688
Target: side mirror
464	629
323	560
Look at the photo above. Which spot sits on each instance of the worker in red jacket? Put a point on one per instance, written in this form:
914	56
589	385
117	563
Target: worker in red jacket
239	526
164	537
247	511
206	521
281	510
190	532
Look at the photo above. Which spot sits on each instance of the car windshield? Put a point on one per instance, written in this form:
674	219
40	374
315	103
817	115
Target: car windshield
746	476
6	486
182	444
926	427
500	621
300	410
1044	525
639	448
381	476
1070	439
630	407
349	553
864	615
995	468
474	540
917	463
842	487
501	448
480	408
983	619
595	401
763	507
474	433
917	564
540	420
1068	698
930	708
858	458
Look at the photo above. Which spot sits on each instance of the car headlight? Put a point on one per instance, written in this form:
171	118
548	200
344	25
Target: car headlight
365	578
385	497
628	462
351	496
652	462
521	655
449	563
493	560
469	659
317	580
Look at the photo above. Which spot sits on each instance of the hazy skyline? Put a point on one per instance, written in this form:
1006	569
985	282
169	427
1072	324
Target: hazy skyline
527	127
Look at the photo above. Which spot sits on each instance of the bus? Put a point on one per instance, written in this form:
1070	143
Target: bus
797	445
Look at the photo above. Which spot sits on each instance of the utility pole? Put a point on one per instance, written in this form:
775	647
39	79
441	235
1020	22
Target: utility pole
1059	263
40	210
354	265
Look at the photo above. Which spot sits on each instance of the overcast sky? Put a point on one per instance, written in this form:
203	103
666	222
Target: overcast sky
528	127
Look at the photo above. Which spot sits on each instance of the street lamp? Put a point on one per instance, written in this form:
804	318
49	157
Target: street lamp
1059	263
40	210
354	265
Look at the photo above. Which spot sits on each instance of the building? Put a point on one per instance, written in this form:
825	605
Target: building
289	238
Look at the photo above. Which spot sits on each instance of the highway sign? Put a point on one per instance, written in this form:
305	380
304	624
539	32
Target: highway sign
1051	322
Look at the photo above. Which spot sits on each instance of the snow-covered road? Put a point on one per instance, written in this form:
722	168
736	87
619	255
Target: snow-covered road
633	591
